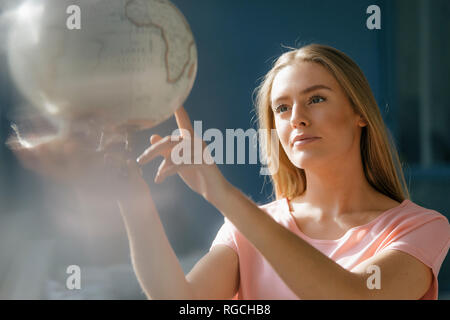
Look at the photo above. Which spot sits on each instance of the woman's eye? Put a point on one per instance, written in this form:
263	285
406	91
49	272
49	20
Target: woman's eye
316	99
313	100
281	107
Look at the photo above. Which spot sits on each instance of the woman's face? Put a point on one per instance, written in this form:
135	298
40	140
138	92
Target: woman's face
306	99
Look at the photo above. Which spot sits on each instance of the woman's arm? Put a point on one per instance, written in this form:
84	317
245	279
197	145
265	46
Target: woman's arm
215	276
154	261
308	272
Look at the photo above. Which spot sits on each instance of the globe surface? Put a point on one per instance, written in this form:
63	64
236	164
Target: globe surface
131	63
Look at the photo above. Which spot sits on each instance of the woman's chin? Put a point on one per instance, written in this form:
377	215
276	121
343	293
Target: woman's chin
304	161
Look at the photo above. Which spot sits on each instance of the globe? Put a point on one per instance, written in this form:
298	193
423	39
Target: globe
124	63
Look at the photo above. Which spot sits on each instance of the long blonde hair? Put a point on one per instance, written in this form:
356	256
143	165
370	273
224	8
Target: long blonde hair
381	162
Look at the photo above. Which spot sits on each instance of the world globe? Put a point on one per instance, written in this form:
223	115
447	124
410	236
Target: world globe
129	63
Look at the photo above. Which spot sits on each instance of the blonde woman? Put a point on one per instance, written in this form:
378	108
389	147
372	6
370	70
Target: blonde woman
342	213
342	225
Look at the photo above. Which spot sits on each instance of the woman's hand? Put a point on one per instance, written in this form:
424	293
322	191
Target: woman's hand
204	178
61	159
74	160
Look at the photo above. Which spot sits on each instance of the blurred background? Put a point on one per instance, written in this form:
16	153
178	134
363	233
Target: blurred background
43	229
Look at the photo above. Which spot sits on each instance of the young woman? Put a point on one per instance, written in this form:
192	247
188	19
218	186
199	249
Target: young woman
342	213
342	225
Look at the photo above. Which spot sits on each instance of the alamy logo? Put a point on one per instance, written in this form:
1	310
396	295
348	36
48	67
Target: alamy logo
74	280
182	152
374	21
74	20
374	281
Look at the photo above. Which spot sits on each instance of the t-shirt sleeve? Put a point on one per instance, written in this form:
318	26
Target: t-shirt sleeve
427	240
225	236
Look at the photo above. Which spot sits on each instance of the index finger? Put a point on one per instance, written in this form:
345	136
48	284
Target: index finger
183	120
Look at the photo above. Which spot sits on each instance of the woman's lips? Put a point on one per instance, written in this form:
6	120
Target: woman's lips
303	142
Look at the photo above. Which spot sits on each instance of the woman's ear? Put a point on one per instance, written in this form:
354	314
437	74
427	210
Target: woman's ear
362	122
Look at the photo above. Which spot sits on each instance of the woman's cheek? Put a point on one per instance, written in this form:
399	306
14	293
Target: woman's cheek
283	135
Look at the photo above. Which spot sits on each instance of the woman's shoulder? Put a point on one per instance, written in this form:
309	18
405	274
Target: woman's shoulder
417	230
276	208
415	208
411	213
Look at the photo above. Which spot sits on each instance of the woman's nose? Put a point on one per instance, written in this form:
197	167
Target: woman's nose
298	117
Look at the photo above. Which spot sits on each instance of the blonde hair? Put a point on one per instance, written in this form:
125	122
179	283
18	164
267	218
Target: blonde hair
381	163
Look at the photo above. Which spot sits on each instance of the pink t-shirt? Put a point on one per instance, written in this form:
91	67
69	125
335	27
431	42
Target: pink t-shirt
420	232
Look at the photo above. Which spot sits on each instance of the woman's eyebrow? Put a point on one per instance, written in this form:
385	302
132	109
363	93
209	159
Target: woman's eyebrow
307	90
315	87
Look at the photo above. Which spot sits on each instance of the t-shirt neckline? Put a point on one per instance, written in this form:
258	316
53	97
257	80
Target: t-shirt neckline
292	219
